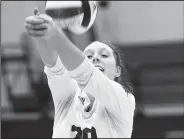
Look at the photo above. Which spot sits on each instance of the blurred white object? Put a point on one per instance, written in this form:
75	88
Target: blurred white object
76	16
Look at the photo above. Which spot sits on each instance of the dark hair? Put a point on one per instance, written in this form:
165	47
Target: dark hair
119	57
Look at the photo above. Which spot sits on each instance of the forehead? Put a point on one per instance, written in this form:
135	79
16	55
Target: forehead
98	46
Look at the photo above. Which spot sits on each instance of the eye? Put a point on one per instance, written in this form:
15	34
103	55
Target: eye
89	56
104	56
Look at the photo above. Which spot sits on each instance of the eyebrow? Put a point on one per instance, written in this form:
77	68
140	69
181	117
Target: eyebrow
88	51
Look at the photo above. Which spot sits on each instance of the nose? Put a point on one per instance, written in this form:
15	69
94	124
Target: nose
95	59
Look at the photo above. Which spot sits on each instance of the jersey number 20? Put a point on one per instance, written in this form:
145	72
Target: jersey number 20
85	132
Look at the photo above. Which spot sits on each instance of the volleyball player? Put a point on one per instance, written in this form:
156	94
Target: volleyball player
89	100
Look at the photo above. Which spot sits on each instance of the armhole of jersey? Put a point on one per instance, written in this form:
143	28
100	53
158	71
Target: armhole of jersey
62	109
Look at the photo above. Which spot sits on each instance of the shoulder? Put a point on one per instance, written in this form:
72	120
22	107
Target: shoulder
131	99
115	84
120	91
118	87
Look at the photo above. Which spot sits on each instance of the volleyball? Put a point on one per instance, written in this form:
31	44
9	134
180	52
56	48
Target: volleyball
76	16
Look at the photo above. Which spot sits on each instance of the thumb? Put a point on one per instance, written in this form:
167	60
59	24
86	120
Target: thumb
36	11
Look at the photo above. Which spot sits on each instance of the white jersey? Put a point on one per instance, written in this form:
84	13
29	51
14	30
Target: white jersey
112	111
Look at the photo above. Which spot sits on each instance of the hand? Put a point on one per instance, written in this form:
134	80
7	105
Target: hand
39	25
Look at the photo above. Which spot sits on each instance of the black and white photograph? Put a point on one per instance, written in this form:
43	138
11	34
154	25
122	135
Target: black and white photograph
92	69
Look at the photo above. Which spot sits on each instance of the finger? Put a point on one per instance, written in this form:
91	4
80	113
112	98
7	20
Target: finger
34	20
37	33
45	18
36	26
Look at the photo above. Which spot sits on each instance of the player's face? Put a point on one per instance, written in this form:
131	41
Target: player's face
102	57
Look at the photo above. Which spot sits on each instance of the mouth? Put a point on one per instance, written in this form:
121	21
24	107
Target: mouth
100	68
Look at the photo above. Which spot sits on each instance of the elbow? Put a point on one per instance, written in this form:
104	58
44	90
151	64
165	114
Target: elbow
84	79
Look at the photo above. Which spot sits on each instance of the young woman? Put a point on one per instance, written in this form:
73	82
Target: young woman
89	102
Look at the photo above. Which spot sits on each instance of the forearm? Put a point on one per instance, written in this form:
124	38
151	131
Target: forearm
70	55
47	53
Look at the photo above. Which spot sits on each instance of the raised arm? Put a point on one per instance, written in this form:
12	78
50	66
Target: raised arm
61	85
